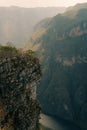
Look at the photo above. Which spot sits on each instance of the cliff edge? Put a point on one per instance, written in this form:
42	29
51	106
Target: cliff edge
19	76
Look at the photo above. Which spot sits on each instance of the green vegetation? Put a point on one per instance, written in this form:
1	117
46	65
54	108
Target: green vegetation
8	51
30	52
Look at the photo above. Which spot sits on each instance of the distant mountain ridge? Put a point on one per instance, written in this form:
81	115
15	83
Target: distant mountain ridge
73	10
16	23
78	7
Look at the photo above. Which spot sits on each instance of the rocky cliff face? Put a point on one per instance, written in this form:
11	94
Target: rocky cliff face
19	108
63	52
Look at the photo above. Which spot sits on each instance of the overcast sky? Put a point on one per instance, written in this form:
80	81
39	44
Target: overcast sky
38	3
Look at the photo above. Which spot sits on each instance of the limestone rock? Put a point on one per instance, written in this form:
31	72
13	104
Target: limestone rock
19	108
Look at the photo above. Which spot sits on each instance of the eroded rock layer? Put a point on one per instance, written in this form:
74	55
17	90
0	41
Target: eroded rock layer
19	108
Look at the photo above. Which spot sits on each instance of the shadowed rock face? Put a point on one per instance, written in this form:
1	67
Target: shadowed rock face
19	108
63	52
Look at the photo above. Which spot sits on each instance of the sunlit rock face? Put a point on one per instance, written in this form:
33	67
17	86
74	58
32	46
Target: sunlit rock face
19	108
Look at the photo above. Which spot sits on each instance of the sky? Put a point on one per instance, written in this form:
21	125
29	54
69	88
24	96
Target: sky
40	3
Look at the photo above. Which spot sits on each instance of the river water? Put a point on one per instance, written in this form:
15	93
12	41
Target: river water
50	123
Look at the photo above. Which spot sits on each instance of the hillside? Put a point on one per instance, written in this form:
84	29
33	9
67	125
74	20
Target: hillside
62	49
16	23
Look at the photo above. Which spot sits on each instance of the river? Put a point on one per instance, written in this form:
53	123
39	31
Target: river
49	123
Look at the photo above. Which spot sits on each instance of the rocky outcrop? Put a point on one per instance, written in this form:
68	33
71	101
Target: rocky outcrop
19	108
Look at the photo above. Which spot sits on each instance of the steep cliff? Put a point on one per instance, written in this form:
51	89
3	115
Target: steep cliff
19	76
63	52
